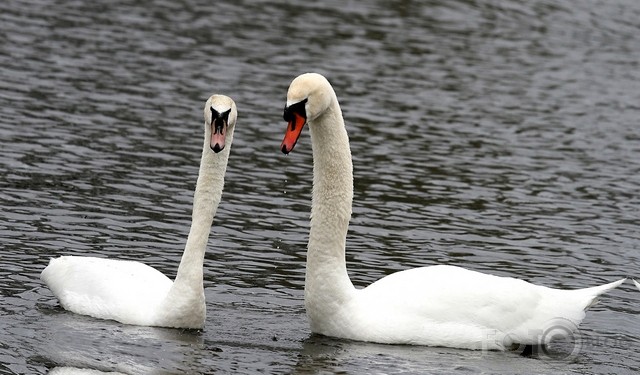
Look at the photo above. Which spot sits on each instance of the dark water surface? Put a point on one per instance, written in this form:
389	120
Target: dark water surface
498	136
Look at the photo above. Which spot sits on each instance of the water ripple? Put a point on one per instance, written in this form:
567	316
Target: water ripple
497	136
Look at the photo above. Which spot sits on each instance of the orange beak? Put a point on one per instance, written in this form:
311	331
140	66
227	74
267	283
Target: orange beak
294	129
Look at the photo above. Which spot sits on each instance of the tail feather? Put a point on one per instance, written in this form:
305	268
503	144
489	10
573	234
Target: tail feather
592	294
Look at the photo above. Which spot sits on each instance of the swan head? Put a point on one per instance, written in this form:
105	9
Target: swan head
220	116
310	95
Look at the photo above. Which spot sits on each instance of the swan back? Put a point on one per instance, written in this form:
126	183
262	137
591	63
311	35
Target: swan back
126	291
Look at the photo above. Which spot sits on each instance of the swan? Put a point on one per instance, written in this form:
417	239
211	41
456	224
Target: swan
134	293
438	305
637	284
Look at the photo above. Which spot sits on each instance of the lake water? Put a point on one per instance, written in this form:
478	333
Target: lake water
495	135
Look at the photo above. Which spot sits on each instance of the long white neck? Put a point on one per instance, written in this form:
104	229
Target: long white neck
205	204
327	283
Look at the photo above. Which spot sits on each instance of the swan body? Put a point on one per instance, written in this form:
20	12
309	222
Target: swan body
134	293
437	305
637	284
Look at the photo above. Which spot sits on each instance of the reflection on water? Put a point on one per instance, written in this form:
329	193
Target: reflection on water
492	135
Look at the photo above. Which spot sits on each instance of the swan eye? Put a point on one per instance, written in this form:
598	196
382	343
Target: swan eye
298	108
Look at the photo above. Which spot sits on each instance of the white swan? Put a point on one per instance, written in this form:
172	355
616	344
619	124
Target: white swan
637	284
438	305
134	293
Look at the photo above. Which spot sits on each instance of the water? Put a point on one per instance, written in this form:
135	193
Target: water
497	136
